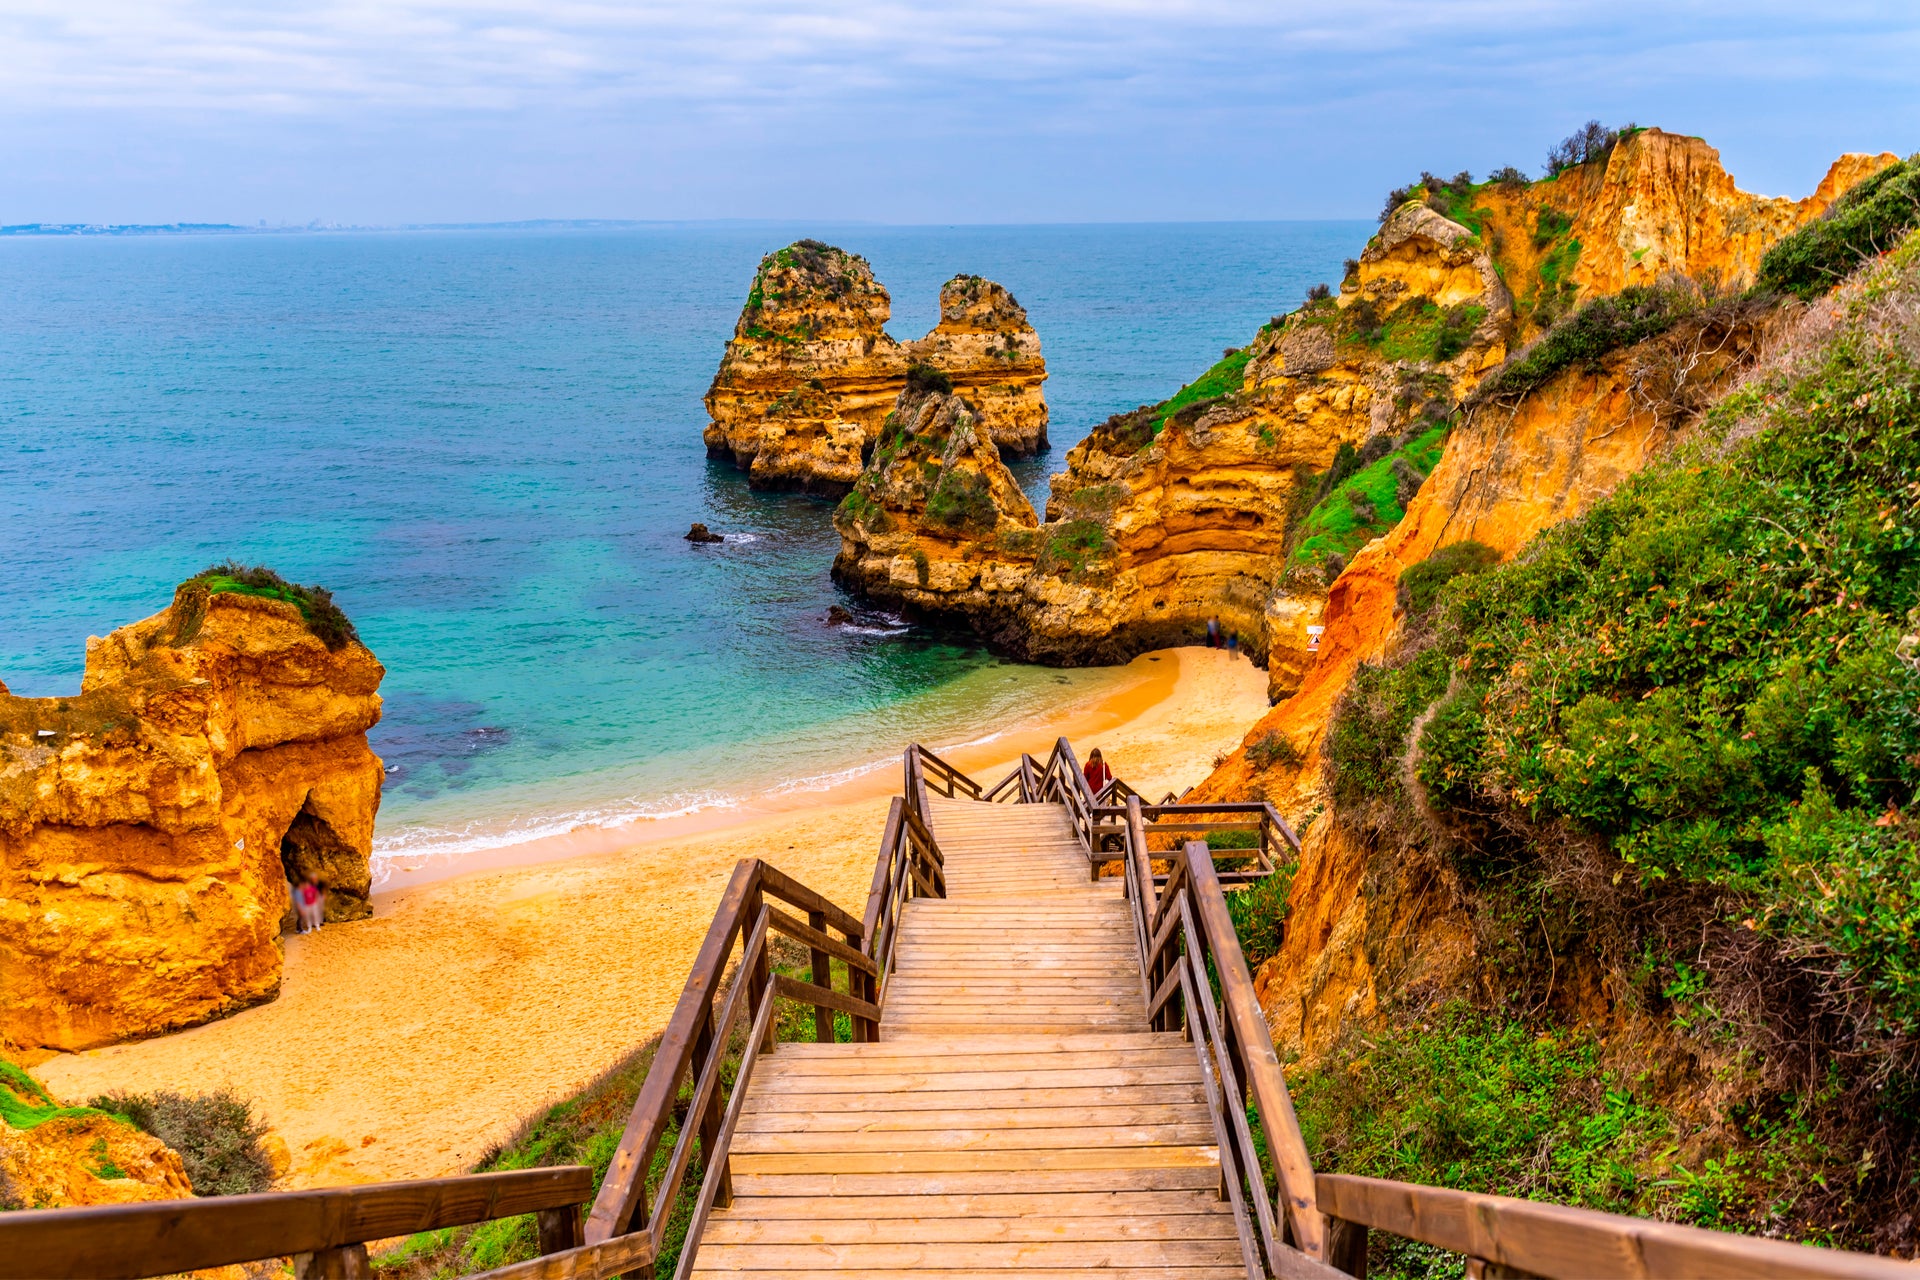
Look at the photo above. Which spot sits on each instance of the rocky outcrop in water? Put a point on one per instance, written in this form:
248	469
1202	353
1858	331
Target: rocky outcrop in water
811	372
149	825
990	353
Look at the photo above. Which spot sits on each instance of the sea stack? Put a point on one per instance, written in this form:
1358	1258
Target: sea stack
149	825
811	373
984	344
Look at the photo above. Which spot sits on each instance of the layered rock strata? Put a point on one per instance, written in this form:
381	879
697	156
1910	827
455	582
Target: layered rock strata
990	353
1190	511
811	371
150	825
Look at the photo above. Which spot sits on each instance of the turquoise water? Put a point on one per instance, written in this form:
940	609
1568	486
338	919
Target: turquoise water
487	443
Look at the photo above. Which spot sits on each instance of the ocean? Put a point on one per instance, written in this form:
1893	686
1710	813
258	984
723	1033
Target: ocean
487	444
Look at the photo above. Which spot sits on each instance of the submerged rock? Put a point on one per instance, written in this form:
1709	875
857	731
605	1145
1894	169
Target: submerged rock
837	616
148	825
700	533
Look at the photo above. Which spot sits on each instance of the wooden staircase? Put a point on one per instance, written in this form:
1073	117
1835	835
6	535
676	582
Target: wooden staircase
1051	1074
1072	1140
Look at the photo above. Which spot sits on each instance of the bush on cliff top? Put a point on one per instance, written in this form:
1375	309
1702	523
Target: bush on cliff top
325	619
1866	220
1598	329
216	1134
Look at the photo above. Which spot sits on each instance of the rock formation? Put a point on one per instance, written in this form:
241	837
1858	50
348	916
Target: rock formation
811	372
935	494
1191	510
984	344
150	824
52	1157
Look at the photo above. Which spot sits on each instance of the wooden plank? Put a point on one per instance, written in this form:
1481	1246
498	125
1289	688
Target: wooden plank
801	1100
1034	1255
962	1182
1008	1118
743	1227
589	1262
777	883
851	1061
964	1273
1066	1158
993	1138
161	1237
1047	1205
814	938
1557	1240
807	993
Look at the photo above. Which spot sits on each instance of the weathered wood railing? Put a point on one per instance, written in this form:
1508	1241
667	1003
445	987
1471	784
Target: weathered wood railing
1505	1237
1170	826
692	1052
909	866
325	1231
1185	939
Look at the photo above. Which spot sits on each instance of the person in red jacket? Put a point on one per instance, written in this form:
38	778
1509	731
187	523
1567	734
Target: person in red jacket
1098	775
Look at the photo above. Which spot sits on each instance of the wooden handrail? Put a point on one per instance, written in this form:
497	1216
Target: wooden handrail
123	1242
1562	1243
693	1045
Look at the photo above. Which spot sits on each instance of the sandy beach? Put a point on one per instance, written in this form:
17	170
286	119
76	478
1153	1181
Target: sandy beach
407	1044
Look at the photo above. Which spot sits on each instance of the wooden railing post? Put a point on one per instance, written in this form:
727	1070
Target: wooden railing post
1347	1247
348	1262
823	977
561	1229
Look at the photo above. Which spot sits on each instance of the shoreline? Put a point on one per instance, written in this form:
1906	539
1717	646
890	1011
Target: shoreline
408	1044
1137	688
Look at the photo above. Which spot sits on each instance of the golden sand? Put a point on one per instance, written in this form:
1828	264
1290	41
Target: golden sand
405	1045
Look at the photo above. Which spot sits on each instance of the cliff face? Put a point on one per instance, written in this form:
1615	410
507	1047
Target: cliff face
811	372
148	826
1197	509
1509	471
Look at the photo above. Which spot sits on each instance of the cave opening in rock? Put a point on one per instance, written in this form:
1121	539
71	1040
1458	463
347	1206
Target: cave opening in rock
313	850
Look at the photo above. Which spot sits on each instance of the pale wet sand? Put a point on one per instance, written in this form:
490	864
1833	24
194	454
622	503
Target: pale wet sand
406	1045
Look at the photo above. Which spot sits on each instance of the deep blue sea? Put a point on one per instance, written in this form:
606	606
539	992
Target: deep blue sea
487	443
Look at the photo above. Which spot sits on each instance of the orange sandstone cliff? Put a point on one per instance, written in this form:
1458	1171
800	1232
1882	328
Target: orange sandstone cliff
1175	514
149	825
811	371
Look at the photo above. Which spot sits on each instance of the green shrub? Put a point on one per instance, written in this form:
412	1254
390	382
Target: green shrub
323	617
924	379
1233	839
1421	583
1274	748
25	1103
1867	220
1361	497
1259	913
1597	329
1704	673
216	1135
963	499
1223	379
1073	546
1592	143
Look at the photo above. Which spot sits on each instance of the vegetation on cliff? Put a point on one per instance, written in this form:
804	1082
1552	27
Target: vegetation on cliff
325	619
217	1135
1672	751
1864	221
1362	495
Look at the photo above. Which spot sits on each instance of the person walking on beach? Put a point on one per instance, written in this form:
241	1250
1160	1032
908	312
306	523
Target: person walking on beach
310	901
1213	633
1098	775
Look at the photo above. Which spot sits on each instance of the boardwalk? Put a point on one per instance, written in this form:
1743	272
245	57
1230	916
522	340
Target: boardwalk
1016	1115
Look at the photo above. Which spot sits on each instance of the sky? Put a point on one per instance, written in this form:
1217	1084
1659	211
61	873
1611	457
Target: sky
383	112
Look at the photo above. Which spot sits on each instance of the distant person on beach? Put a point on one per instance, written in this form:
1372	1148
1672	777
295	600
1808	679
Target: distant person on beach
1213	633
1098	775
1233	642
310	901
